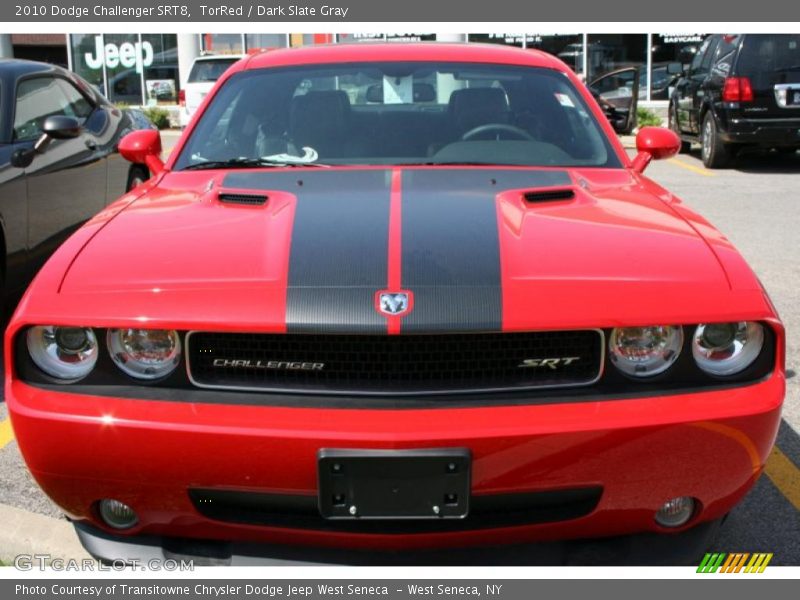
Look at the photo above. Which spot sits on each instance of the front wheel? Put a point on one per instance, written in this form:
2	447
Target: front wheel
715	153
137	176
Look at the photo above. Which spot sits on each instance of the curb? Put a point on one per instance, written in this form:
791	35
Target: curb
24	532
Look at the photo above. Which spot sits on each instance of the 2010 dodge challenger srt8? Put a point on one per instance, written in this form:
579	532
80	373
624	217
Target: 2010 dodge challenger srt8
393	298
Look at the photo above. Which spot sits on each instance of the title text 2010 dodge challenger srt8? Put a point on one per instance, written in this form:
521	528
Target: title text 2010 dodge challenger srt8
398	298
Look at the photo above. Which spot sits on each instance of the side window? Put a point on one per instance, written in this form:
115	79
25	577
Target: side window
77	105
702	60
723	65
709	55
42	97
698	58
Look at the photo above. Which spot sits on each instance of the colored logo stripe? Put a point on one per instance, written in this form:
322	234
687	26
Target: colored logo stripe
735	562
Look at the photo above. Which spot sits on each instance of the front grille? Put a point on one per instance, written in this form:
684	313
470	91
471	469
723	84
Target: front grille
394	364
486	511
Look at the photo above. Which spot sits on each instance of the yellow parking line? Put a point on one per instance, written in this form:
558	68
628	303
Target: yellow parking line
6	433
692	168
785	475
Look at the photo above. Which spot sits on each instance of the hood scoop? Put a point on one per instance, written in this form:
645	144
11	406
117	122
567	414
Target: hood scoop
241	198
549	195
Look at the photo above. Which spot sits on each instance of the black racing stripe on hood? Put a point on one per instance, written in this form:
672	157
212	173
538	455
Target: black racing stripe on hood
450	245
338	257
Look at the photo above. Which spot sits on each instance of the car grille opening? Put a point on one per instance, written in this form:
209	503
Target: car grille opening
394	364
550	195
246	199
486	511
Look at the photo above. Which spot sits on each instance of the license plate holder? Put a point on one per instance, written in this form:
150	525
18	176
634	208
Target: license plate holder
394	484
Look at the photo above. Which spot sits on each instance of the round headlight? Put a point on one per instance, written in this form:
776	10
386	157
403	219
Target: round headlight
145	353
727	348
66	353
645	351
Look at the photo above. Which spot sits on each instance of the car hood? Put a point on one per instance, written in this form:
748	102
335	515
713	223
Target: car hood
475	249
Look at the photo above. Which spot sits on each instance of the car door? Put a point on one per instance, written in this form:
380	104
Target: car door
686	87
14	224
618	95
692	98
67	182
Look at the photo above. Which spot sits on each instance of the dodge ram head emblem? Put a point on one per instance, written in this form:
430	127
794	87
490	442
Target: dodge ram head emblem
394	303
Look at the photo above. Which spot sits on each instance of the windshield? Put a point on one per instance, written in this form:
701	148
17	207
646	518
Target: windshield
209	70
399	113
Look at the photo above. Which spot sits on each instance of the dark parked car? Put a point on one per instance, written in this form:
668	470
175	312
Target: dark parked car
740	91
59	163
617	93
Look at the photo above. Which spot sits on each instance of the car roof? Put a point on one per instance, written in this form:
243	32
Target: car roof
219	57
17	67
424	51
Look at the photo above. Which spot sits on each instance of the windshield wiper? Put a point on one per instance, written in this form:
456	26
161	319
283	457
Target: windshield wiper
243	163
274	160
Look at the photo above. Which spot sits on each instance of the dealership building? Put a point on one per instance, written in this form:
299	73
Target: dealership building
150	69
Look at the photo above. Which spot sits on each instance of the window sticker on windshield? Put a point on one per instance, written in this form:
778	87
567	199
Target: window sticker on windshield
398	90
564	100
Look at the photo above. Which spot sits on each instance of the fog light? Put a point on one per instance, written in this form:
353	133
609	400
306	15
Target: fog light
676	512
117	514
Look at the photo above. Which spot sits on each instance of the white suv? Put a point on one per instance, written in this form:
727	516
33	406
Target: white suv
204	74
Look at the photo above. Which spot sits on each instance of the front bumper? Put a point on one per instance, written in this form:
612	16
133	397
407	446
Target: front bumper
711	445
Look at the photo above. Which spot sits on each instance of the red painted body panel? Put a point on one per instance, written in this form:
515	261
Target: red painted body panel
623	252
711	445
632	241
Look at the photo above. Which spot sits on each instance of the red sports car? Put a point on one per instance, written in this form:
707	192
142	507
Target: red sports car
396	298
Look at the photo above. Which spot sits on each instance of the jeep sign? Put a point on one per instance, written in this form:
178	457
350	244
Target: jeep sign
139	55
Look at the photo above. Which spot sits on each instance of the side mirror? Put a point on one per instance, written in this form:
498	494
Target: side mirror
54	127
143	147
61	127
654	143
674	68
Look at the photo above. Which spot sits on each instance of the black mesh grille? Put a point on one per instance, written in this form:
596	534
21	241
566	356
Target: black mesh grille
550	195
249	199
394	364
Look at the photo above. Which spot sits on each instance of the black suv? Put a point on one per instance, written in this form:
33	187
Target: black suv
740	91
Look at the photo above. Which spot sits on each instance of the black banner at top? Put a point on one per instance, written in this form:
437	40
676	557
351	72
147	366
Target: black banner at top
396	11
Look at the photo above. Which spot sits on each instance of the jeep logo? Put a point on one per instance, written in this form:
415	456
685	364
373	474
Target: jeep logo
139	55
549	363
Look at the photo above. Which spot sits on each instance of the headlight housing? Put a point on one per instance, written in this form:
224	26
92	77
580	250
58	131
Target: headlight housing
66	353
645	351
147	354
724	349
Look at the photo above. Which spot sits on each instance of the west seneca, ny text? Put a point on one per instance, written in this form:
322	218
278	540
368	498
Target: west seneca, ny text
269	590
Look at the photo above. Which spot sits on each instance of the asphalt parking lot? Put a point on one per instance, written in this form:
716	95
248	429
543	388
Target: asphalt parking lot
755	204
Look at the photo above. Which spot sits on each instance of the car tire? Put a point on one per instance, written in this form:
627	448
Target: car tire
715	153
672	120
137	176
